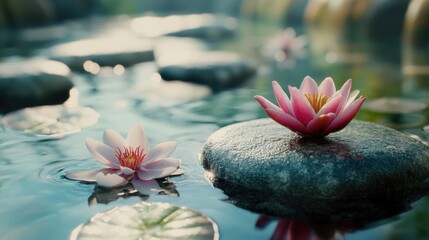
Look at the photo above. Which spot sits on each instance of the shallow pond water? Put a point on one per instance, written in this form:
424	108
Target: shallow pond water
37	202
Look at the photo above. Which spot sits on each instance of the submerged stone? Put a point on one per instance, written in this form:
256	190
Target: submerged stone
34	82
218	70
265	167
89	54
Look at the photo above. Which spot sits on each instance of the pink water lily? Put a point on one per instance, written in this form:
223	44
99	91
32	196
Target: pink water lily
286	45
129	160
312	110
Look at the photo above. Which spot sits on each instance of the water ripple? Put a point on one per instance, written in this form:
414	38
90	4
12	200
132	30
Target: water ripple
53	172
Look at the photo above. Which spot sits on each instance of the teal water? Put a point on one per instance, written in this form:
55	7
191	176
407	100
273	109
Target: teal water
37	202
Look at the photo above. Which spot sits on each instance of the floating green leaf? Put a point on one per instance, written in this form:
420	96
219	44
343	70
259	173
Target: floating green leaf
147	221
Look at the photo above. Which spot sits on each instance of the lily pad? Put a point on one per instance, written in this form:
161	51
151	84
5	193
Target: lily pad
147	221
55	120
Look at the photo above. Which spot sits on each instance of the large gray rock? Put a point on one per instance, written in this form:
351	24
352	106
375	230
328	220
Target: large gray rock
218	70
265	167
26	83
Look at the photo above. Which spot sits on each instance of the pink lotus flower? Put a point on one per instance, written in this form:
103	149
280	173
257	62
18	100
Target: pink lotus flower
313	111
129	160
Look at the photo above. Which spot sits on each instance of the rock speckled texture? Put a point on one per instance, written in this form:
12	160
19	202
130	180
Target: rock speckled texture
277	171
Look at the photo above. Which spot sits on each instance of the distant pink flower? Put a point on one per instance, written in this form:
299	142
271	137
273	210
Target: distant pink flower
286	45
313	110
129	160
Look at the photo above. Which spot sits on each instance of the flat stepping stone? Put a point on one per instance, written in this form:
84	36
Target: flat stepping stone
103	52
281	173
195	25
33	82
218	70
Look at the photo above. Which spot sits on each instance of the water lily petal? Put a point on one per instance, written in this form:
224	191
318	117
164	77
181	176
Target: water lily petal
282	98
88	176
102	153
286	120
309	86
345	116
299	230
178	172
344	92
161	150
263	221
266	103
127	170
352	97
331	106
282	230
110	180
320	123
299	42
146	187
302	109
113	139
327	87
160	168
136	138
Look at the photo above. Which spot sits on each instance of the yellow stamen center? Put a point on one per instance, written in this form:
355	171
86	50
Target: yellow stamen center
316	100
130	157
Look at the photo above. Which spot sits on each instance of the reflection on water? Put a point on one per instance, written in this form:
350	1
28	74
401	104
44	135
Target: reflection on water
290	229
107	195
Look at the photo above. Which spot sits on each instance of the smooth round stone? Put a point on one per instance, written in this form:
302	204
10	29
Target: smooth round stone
218	70
103	52
280	173
34	82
